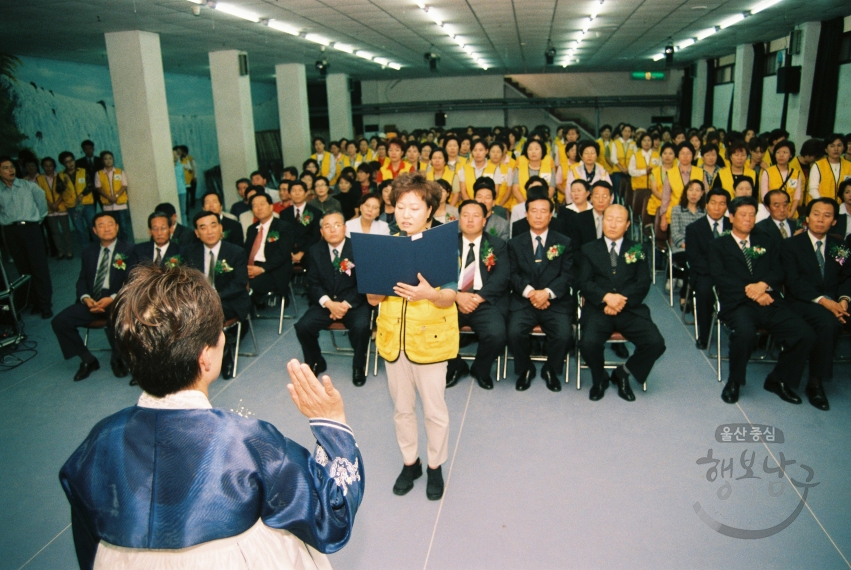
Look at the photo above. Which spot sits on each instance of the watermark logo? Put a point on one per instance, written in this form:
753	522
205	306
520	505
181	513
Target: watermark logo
758	508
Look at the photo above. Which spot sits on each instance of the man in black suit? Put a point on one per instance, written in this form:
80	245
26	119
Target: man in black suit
180	234
614	281
777	224
231	228
104	269
482	297
333	292
163	250
541	279
699	236
304	219
747	270
89	162
818	288
563	221
226	268
269	246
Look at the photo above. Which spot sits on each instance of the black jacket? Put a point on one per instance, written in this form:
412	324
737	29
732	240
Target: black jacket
144	253
804	281
496	281
596	280
304	235
698	239
278	250
556	274
119	267
325	279
232	286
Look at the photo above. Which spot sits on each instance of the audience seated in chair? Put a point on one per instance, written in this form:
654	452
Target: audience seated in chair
689	210
304	220
162	250
484	192
180	234
269	246
231	228
779	225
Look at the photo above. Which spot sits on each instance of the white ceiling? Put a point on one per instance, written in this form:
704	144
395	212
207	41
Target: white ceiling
510	36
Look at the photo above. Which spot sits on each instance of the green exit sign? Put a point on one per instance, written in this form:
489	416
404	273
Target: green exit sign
649	75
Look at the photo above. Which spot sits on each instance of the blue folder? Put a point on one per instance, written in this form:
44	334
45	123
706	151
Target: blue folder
384	261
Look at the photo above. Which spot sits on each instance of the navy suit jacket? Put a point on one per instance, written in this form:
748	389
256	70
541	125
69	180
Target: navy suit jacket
144	252
496	282
596	280
804	281
232	286
324	279
278	253
555	274
698	239
88	272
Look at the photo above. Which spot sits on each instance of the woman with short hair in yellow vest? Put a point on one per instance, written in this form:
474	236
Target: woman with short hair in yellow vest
782	176
413	156
588	169
604	148
454	161
365	154
641	165
327	165
498	169
534	162
381	155
79	199
658	180
438	170
675	182
341	161
829	172
514	149
622	149
567	159
417	333
394	165
473	170
737	167
709	163
111	183
57	210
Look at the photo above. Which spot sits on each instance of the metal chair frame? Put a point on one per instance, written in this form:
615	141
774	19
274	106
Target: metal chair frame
238	324
343	350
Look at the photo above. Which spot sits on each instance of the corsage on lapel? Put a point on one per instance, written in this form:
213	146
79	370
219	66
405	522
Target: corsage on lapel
555	251
173	262
223	267
272	237
840	253
118	261
306	218
344	266
487	256
633	254
755	252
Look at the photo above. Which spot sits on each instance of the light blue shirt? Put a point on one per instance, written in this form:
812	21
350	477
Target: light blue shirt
23	202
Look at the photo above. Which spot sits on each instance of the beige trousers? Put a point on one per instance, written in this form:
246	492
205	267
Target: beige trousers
405	379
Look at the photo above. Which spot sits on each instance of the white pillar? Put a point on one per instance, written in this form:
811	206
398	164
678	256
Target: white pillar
742	75
234	120
698	104
293	112
339	106
799	105
141	113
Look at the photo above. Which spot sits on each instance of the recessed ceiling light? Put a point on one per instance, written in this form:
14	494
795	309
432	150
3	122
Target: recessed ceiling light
698	7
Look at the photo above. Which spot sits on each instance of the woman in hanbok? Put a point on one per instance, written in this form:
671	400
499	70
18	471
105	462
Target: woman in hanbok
173	483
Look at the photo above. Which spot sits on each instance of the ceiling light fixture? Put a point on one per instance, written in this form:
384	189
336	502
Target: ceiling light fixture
731	20
705	33
658	57
449	31
237	11
343	47
763	5
317	39
283	27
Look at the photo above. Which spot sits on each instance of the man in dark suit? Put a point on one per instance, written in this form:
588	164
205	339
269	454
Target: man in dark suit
304	220
226	268
482	297
163	250
541	279
104	269
747	270
818	288
89	162
563	221
269	245
484	192
180	234
231	228
778	224
614	281
333	291
699	236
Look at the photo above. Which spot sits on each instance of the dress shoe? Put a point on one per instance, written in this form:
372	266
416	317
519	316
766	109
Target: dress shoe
620	350
730	393
358	376
781	389
405	480
700	344
816	396
598	390
48	314
525	379
319	367
551	379
621	380
86	368
484	382
434	487
119	369
454	374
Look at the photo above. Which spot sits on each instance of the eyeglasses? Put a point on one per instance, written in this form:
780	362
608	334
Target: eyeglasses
336	226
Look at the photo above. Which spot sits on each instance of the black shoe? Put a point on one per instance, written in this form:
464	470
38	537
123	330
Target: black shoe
227	367
620	350
434	488
119	369
405	480
48	314
621	380
358	376
525	380
730	393
781	389
485	382
454	375
86	368
816	396
700	344
133	382
551	379
319	367
598	390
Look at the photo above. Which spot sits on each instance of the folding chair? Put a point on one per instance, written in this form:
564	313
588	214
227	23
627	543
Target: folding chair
272	299
537	332
338	326
716	327
614	338
99	324
235	322
467	330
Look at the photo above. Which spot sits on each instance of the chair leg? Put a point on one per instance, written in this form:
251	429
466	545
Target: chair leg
236	350
86	339
718	332
505	364
281	318
670	277
375	364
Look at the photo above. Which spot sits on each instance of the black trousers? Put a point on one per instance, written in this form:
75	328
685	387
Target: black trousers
637	328
557	327
704	304
317	319
265	283
26	245
488	322
784	325
827	329
66	327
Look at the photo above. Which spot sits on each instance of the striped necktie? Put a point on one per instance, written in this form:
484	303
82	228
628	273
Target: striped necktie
744	245
100	276
469	273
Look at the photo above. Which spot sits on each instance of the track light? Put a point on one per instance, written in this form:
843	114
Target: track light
322	66
550	55
431	59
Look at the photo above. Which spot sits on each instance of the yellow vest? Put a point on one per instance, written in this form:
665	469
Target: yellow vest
547	172
490	172
829	185
659	179
188	175
675	181
793	181
325	166
447	175
625	150
726	176
364	158
604	156
460	161
796	164
117	183
342	162
470	175
51	193
429	334
387	174
75	187
643	182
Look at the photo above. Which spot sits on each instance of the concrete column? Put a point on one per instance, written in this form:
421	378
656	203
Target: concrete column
339	106
293	112
234	120
742	75
699	99
141	113
799	105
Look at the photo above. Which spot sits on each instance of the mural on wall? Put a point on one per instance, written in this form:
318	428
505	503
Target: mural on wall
10	135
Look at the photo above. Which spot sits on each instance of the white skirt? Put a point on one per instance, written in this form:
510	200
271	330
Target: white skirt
258	548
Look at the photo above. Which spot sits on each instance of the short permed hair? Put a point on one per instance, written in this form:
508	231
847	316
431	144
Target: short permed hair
416	182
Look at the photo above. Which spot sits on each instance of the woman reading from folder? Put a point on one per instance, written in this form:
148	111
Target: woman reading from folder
417	334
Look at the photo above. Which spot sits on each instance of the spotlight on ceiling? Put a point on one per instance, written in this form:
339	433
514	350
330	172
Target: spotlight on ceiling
669	53
550	55
322	66
432	59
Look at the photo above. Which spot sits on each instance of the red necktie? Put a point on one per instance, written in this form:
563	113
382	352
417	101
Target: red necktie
258	241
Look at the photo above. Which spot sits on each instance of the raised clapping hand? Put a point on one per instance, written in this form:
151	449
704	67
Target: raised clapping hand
313	399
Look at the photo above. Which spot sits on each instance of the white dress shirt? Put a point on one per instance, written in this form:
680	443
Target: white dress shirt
465	247
215	249
111	248
786	226
617	243
528	289
325	298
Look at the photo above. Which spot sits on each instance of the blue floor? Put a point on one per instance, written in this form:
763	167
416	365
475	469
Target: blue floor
536	480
